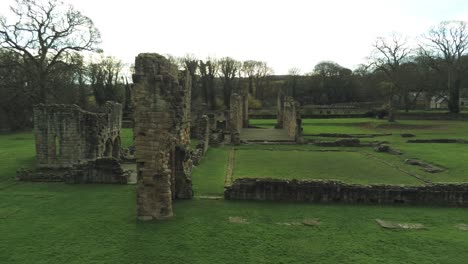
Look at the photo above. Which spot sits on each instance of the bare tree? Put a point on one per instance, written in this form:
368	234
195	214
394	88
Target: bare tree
208	72
261	75
293	75
388	56
446	44
45	34
177	61
228	71
248	68
105	81
190	64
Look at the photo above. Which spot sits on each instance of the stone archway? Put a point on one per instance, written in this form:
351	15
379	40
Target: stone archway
108	149
116	148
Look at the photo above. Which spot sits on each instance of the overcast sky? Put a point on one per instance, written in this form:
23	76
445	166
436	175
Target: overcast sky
284	33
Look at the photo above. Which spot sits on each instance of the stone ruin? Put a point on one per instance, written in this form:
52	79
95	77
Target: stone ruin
236	118
161	96
279	110
245	109
77	146
224	126
218	122
203	134
289	117
264	189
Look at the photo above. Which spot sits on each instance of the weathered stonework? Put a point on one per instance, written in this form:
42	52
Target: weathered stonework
279	110
71	141
67	136
104	170
204	132
245	110
335	191
203	135
236	118
162	136
291	119
235	112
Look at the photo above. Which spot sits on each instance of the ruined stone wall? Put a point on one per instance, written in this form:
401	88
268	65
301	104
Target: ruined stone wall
219	120
292	119
236	117
182	163
204	134
245	110
279	110
162	132
235	112
104	170
335	191
66	135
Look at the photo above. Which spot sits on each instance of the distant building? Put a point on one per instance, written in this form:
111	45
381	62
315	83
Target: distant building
441	102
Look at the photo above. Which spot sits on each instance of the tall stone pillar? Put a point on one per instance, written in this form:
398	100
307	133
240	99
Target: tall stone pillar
235	118
245	110
161	130
279	111
182	159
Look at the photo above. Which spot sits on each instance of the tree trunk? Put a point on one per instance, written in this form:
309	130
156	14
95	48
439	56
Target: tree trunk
407	102
251	85
391	110
227	92
454	99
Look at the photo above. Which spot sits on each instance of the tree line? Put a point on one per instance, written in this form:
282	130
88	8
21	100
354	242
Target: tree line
214	80
50	54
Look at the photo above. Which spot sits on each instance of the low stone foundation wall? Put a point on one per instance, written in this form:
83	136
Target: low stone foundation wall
336	191
102	171
106	170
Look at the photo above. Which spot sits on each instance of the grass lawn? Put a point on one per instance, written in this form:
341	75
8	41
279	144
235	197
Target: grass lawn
350	167
126	136
59	223
453	157
16	150
208	177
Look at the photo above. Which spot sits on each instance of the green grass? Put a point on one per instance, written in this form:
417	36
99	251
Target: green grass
350	167
59	223
208	177
266	123
16	150
56	223
450	156
126	135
